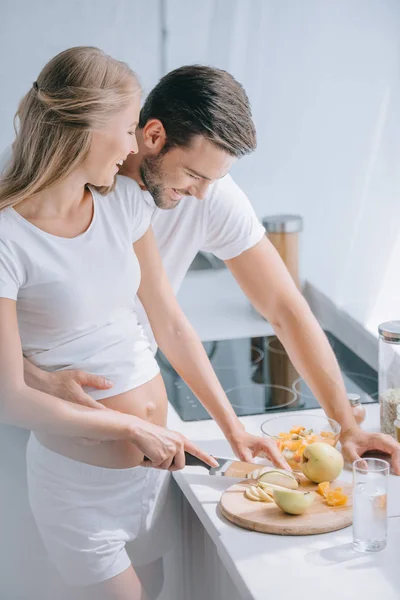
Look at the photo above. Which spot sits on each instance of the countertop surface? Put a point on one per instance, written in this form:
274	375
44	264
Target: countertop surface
217	308
321	566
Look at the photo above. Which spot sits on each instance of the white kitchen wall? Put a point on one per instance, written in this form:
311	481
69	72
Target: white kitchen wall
33	32
323	80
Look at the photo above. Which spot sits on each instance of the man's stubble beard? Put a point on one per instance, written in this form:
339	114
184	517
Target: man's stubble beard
151	174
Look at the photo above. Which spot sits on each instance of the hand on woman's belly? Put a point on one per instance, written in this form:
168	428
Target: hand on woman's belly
148	402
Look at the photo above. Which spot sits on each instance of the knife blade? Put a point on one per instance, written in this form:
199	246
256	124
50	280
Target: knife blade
227	467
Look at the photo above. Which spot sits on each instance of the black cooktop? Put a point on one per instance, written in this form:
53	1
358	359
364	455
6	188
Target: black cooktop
258	377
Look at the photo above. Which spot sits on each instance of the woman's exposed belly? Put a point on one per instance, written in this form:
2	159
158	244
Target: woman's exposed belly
148	401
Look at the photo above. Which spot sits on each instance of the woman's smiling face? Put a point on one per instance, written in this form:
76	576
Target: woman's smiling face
111	144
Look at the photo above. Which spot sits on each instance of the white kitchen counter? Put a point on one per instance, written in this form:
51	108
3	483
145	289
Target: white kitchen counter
319	566
265	566
217	308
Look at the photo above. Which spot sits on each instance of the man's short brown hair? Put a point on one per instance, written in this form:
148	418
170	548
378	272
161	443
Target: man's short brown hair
200	100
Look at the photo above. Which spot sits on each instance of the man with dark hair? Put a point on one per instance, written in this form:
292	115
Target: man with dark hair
194	124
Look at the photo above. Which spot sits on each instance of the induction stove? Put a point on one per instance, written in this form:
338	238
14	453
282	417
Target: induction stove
259	378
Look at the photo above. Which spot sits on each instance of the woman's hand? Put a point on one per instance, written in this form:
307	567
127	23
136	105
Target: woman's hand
247	446
165	449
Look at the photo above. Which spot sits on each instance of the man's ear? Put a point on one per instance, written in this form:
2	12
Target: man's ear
154	136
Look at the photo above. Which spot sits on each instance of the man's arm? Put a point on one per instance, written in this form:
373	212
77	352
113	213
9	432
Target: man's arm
265	280
66	384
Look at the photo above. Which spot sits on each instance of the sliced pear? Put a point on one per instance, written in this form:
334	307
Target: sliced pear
257	494
282	478
270	487
292	501
255	474
275	476
263	495
251	496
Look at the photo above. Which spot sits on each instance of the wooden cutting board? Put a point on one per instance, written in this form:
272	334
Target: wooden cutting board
268	518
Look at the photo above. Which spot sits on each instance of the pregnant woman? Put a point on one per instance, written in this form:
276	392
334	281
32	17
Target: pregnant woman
76	246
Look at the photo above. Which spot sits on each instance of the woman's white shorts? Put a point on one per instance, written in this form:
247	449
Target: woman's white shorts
86	514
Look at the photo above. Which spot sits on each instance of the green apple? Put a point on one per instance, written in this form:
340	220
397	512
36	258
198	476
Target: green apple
292	501
321	462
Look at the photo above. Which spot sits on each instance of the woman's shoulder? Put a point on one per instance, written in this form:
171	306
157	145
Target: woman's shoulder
128	193
127	203
125	186
9	226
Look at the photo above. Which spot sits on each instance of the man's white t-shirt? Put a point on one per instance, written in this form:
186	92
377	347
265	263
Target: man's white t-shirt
76	296
224	224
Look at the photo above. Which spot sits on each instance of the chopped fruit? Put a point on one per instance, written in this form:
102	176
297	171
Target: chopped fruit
276	476
297	429
336	498
323	488
293	444
257	494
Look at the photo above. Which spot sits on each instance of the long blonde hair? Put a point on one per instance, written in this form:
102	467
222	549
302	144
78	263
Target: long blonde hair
76	92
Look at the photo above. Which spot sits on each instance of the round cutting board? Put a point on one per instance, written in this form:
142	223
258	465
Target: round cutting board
268	518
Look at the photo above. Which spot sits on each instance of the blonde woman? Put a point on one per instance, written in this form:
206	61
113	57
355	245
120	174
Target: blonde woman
75	248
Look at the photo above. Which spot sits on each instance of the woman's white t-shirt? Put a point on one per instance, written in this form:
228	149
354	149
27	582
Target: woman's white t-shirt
76	296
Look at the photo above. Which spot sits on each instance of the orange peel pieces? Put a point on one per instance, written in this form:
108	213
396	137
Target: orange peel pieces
333	497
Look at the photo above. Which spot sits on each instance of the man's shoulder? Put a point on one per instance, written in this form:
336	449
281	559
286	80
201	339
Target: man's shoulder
227	197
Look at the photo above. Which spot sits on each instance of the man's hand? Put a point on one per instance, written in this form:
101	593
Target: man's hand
68	386
247	446
356	442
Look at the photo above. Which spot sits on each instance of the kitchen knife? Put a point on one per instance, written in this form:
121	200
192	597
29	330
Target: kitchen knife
224	464
227	467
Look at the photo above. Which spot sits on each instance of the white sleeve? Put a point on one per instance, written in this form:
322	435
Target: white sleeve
10	278
138	211
232	226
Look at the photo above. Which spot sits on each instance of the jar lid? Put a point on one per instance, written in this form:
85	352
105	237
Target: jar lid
390	331
354	399
283	223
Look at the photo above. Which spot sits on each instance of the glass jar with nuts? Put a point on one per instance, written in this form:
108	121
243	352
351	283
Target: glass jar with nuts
389	375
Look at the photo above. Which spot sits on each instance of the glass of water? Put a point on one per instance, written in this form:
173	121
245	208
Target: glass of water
370	479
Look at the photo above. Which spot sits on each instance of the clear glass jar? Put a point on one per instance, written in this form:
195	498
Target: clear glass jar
397	423
389	374
357	408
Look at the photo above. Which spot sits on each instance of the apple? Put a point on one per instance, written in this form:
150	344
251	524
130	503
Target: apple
292	501
321	462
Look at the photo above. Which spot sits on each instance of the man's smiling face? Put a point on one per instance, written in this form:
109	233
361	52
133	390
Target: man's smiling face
184	171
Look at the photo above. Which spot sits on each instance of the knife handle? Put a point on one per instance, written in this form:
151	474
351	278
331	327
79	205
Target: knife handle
191	461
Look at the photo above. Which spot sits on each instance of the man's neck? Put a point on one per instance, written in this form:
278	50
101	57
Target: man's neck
131	168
